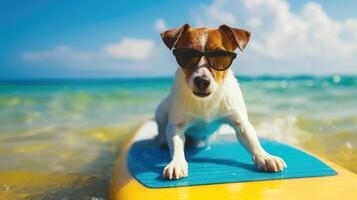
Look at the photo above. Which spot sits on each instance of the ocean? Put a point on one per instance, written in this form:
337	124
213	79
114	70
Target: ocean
60	138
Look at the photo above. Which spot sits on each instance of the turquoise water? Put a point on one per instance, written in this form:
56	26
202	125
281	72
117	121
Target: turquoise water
67	133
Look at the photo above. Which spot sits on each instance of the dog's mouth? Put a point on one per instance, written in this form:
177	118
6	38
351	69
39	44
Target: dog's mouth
201	94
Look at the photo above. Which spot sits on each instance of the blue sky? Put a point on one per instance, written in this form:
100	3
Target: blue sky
89	39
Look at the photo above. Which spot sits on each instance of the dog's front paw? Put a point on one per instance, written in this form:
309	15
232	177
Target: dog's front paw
269	163
176	169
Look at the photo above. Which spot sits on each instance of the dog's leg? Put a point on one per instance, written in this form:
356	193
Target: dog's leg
161	121
178	167
247	136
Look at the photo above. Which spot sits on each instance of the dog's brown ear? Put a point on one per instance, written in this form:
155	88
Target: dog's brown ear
170	37
239	37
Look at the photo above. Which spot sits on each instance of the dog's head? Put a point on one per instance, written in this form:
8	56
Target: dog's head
205	54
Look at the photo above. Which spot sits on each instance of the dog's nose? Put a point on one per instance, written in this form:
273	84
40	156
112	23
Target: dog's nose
201	82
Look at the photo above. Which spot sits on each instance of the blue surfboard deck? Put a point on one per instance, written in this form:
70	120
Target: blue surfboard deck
222	162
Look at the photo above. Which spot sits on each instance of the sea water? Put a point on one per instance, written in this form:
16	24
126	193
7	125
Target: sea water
60	138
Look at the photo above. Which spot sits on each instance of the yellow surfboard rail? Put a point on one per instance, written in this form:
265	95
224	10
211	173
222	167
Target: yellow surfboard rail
341	186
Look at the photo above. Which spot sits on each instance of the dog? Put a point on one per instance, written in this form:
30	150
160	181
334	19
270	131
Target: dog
206	92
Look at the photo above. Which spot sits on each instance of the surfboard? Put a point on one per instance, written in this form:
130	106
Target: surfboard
224	170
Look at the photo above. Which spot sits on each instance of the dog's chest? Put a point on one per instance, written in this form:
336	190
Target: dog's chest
206	111
200	129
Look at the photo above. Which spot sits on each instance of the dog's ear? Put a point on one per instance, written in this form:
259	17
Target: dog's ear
238	37
170	37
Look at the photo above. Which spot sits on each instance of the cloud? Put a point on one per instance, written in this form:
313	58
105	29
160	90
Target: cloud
128	48
160	25
213	15
285	42
57	53
127	57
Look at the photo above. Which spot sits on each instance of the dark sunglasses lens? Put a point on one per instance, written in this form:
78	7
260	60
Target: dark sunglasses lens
220	62
187	58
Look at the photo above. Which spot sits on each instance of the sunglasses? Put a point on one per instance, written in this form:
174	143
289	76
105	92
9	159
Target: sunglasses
219	60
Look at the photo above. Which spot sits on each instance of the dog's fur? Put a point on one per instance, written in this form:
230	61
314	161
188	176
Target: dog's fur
222	100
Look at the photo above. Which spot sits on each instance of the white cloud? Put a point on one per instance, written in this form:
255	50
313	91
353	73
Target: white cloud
160	25
306	42
128	48
128	57
213	14
58	52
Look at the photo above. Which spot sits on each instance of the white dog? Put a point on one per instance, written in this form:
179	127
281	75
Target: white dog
205	92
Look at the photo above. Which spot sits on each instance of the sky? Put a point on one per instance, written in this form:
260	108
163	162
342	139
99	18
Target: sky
109	39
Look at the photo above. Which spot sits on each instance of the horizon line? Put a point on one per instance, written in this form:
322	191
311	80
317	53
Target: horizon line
286	76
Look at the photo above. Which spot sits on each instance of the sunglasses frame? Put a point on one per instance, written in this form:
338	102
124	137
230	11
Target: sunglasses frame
214	53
